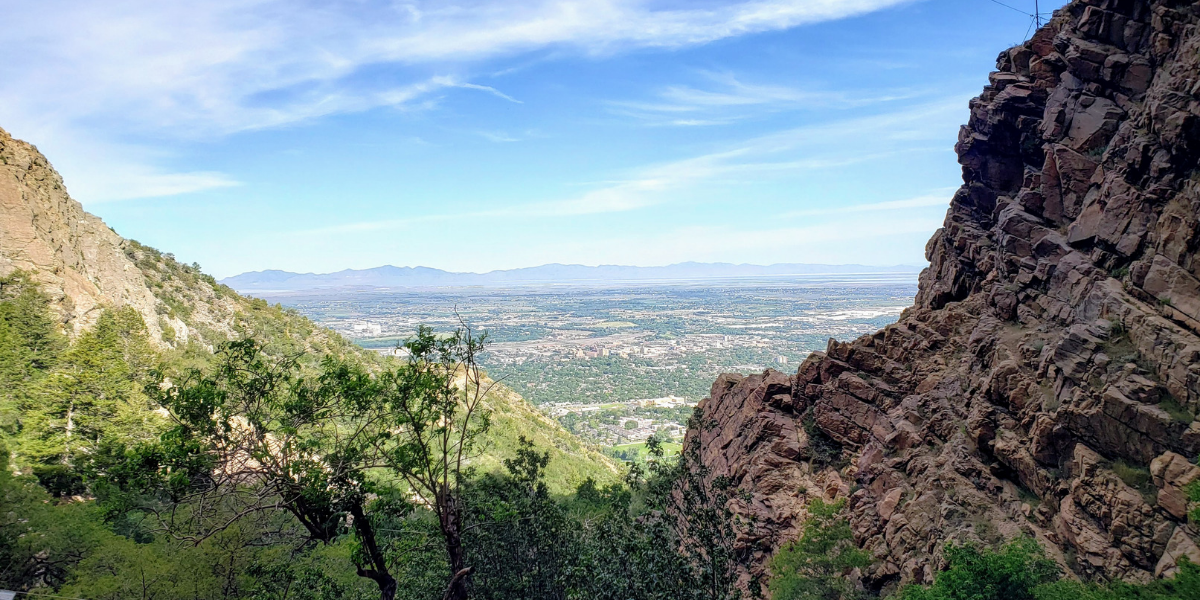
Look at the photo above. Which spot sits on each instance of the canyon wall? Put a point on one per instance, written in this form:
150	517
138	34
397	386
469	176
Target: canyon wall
85	267
1046	380
73	255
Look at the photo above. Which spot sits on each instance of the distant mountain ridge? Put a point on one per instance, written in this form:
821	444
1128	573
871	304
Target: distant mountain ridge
390	276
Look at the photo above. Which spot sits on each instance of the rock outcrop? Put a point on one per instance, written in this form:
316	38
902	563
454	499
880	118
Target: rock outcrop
84	266
73	255
1047	378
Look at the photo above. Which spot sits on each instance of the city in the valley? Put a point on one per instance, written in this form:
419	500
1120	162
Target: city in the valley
617	364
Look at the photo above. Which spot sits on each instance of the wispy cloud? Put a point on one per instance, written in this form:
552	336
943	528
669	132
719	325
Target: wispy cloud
126	69
140	181
940	197
727	99
788	153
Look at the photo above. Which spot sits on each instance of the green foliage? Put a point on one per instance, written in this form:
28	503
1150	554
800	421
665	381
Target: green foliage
626	557
699	517
230	565
519	540
40	541
1177	411
93	394
1022	571
30	344
826	452
311	448
1136	477
571	461
1011	573
815	566
1185	585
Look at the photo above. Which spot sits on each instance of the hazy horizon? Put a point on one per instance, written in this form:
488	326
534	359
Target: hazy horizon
589	266
308	136
276	282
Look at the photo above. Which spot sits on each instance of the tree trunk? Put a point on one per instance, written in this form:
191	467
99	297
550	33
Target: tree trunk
379	574
456	588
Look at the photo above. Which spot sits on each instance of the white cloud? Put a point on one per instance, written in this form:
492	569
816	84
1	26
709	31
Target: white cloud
787	153
154	69
140	181
228	65
939	197
727	99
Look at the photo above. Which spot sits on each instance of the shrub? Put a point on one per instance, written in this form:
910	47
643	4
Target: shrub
815	566
1011	573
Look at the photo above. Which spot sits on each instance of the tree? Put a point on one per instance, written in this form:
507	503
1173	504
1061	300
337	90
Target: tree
815	566
1020	570
697	507
30	344
95	390
41	542
624	555
521	542
434	416
1012	573
256	437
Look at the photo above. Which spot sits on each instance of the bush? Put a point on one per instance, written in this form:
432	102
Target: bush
1012	573
1021	571
815	566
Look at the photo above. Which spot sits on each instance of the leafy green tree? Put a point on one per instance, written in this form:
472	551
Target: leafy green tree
1184	585
627	554
95	391
41	542
1021	570
433	418
520	541
815	566
1012	573
256	437
25	311
30	343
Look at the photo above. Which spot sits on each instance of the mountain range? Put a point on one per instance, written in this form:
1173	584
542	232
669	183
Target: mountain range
390	276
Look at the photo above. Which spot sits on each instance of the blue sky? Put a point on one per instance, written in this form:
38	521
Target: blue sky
476	135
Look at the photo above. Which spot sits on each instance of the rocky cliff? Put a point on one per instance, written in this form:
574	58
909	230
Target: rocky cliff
75	257
1047	378
84	266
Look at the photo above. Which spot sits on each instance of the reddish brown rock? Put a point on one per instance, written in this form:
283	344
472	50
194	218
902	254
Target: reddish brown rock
1045	380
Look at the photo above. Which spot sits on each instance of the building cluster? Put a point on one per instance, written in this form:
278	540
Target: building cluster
627	346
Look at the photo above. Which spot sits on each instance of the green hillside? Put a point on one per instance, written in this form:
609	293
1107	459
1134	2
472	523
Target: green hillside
42	406
571	460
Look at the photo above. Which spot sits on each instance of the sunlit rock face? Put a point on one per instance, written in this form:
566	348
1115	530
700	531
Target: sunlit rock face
75	257
1045	381
85	267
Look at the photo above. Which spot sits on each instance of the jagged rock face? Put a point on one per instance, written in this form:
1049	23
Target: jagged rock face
1045	381
73	255
84	266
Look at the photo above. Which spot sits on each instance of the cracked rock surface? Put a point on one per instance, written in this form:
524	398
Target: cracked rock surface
1046	380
